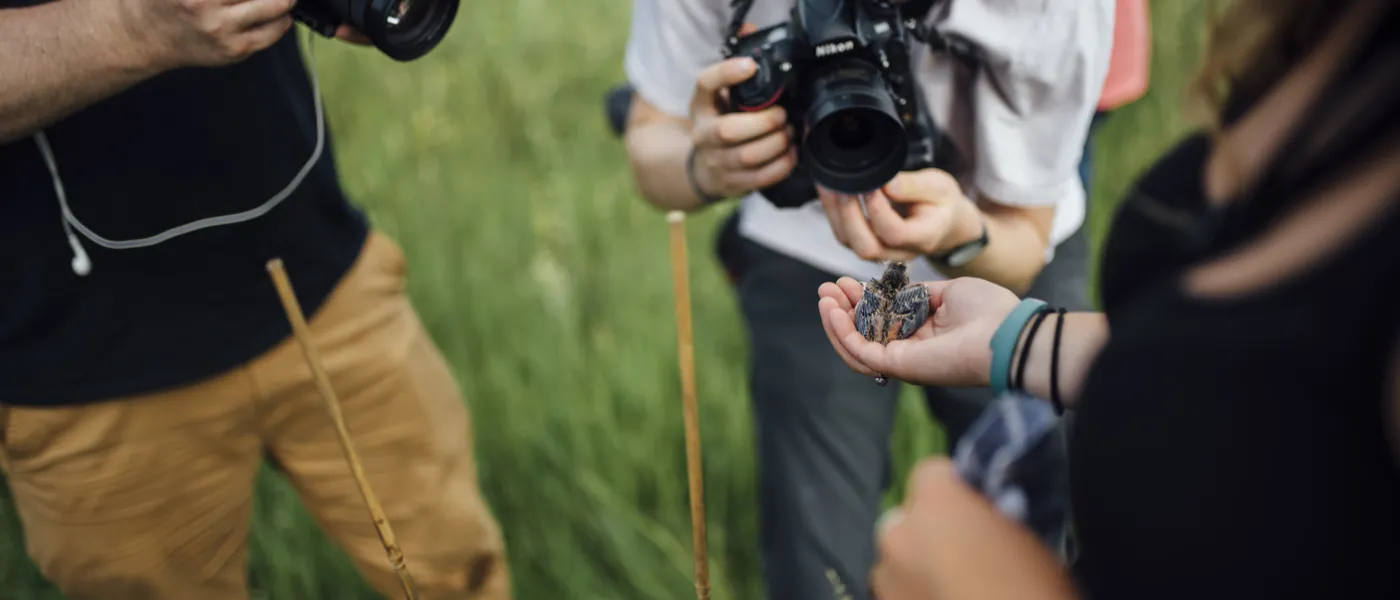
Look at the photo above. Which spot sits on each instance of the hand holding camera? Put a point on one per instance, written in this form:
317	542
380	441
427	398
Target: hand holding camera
172	34
840	71
918	213
203	33
736	153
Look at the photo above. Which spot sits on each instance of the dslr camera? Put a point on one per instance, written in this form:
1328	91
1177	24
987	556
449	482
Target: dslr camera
403	30
840	68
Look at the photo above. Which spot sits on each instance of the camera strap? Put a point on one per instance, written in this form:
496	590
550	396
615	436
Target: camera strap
740	10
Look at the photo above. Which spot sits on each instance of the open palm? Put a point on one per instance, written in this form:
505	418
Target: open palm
952	348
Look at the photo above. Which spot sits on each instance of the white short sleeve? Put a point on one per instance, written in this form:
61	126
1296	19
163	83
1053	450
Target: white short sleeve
670	43
1046	61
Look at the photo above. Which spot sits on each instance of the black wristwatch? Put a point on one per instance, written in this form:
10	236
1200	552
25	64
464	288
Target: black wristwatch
964	253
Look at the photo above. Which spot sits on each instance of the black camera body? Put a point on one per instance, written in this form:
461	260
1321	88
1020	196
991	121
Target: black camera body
840	68
403	30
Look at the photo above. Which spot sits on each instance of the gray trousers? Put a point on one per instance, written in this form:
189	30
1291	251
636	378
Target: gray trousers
823	430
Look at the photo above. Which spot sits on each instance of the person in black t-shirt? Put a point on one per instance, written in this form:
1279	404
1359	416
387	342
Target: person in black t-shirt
154	156
1237	412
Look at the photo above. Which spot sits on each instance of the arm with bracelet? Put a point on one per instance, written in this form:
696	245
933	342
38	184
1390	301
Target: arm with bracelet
980	334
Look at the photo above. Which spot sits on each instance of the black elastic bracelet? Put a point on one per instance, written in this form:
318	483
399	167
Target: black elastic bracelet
1055	366
1019	381
695	185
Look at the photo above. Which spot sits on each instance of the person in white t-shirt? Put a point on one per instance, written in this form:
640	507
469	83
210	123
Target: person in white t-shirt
1008	199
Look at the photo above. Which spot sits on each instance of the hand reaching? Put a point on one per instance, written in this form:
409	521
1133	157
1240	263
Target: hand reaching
947	541
952	348
918	213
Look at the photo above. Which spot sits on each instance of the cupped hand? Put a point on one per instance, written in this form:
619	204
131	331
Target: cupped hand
736	153
918	213
952	348
947	541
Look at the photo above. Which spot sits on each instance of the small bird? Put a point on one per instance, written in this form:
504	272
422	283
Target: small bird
891	308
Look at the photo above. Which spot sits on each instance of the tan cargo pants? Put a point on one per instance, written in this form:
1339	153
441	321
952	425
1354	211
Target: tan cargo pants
150	497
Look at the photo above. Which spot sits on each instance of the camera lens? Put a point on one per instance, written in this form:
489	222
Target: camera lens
855	142
405	29
850	131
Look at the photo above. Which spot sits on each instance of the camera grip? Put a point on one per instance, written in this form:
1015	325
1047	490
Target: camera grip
315	19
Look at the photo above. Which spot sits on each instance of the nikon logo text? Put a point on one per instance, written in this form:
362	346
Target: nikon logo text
835	48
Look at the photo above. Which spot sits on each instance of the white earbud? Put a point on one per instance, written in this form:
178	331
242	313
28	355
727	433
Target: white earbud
81	264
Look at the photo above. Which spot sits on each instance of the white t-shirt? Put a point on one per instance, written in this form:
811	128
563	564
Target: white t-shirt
1020	122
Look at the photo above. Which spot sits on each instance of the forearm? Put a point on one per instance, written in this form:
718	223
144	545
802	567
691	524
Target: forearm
1082	335
658	152
1015	253
59	57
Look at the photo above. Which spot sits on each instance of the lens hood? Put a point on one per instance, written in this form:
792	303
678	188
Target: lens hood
854	142
404	30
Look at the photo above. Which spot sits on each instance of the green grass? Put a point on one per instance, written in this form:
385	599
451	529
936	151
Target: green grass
490	162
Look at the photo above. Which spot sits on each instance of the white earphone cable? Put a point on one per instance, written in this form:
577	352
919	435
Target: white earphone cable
81	263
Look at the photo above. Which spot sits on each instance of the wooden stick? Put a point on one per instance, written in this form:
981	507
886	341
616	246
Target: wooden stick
323	383
685	339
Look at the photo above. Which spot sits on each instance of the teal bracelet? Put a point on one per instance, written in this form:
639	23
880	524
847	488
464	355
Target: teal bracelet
1004	341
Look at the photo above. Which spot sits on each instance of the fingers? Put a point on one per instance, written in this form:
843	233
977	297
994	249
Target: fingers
347	33
715	78
267	34
831	202
831	315
761	151
734	129
762	177
254	15
927	185
887	225
853	289
869	357
859	237
900	573
930	480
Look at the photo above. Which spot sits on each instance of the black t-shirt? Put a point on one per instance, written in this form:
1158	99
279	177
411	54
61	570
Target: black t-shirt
183	146
1238	448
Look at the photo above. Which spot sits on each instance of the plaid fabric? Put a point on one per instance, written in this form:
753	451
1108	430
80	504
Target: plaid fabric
1012	456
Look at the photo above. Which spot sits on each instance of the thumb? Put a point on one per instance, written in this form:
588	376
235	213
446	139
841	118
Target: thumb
747	28
931	480
717	77
926	185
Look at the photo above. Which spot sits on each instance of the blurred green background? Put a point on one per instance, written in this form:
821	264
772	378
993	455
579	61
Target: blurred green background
490	161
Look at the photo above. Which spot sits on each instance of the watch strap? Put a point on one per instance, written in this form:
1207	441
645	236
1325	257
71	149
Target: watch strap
981	240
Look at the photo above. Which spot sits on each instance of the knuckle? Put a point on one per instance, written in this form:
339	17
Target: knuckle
747	156
778	118
726	130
